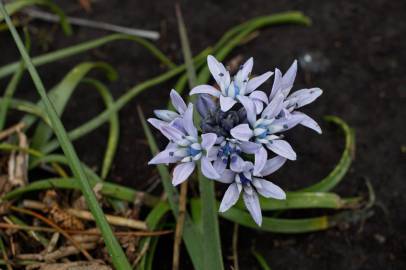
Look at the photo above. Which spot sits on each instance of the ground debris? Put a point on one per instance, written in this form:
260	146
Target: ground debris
80	265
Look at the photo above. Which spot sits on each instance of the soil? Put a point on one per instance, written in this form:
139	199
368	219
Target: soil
358	49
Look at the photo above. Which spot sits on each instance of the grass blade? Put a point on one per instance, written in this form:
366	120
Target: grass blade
85	46
20	4
261	260
60	96
117	255
338	173
114	132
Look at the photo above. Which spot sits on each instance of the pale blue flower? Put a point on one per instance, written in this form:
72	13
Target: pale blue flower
186	149
282	86
251	184
231	90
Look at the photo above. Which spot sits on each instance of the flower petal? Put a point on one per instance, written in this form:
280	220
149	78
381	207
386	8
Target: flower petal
230	197
276	84
156	123
252	203
171	133
261	157
249	147
309	122
269	189
237	163
166	115
274	107
259	95
255	82
288	79
282	148
164	157
205	89
208	169
205	104
249	106
177	102
272	165
182	171
259	106
242	132
226	103
219	72
208	140
219	165
305	96
188	121
287	123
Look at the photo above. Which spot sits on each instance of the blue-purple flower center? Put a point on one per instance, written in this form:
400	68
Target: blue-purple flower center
244	180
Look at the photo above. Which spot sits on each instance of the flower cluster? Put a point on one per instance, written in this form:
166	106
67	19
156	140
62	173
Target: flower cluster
239	140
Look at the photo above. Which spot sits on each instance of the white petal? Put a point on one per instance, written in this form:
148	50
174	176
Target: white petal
260	160
305	96
228	176
249	147
259	95
274	107
259	106
254	83
226	103
272	165
230	197
309	122
177	102
242	132
164	157
288	79
166	115
208	140
156	123
282	148
205	89
182	172
188	121
269	189
250	108
237	163
252	204
276	84
219	72
208	169
171	133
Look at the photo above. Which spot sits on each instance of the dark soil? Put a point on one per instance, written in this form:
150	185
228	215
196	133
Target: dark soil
359	47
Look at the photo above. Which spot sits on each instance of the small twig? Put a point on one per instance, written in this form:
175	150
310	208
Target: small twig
7	132
113	220
140	255
235	247
56	227
46	16
179	226
88	232
52	243
58	254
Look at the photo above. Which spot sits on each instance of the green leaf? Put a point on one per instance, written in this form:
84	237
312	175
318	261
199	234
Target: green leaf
338	173
83	47
117	255
17	5
305	200
60	96
114	132
261	260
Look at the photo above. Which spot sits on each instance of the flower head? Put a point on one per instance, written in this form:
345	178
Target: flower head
240	128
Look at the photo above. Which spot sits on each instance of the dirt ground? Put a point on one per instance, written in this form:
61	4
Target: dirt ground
359	52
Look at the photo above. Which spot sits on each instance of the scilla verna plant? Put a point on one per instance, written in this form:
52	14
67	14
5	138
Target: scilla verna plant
240	128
